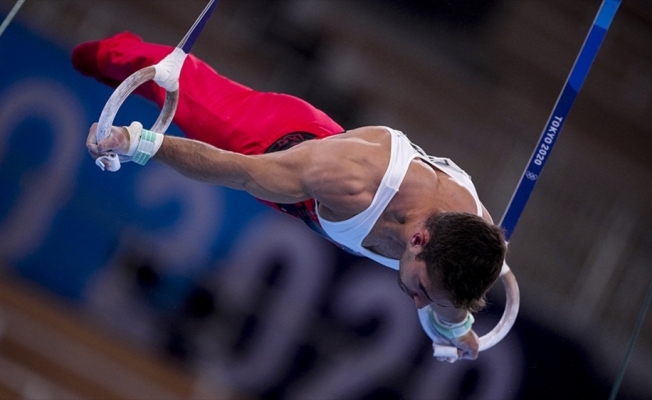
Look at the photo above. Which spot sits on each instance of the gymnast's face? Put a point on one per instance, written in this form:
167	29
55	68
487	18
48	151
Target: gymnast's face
413	276
414	281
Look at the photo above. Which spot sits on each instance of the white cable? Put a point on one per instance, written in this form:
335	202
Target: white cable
10	16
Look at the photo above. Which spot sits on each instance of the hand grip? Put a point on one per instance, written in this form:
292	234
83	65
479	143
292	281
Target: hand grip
118	97
494	336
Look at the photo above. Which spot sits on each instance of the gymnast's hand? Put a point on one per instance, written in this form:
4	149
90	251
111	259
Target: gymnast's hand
467	346
119	141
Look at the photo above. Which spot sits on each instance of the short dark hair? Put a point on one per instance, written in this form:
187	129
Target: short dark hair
463	257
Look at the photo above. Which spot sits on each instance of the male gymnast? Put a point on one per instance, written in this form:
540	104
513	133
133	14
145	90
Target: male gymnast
370	190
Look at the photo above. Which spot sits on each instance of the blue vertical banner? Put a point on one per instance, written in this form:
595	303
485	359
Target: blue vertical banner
559	115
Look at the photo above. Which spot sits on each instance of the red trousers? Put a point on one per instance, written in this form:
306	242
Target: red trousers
212	108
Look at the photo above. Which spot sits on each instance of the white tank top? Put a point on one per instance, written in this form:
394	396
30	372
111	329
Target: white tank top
351	232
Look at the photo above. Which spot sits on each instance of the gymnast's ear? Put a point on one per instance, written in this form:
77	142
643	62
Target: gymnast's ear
420	238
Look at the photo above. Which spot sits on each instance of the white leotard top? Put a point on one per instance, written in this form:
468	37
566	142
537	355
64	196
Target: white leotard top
351	232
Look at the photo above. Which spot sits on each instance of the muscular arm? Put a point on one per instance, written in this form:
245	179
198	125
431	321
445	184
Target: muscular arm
467	344
334	171
277	177
342	172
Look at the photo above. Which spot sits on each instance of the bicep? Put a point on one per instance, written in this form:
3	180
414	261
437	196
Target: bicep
308	170
279	177
274	177
321	170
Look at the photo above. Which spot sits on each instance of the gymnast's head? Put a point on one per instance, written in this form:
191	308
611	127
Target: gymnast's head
452	261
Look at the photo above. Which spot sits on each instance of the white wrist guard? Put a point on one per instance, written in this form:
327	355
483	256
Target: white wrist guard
143	144
436	329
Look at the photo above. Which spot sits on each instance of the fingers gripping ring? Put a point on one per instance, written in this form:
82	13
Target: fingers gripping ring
120	95
165	74
494	336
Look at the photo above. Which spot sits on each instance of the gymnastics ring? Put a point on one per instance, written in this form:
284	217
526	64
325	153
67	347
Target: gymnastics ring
444	350
120	95
166	74
519	199
512	304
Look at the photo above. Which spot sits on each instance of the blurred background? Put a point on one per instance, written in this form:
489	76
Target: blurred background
143	284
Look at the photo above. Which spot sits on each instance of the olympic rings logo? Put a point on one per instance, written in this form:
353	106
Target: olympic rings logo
531	176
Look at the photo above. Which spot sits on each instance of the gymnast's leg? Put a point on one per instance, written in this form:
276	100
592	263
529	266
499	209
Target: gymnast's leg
212	108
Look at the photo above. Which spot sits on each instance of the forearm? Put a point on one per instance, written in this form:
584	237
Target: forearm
203	162
454	317
449	315
273	177
455	326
